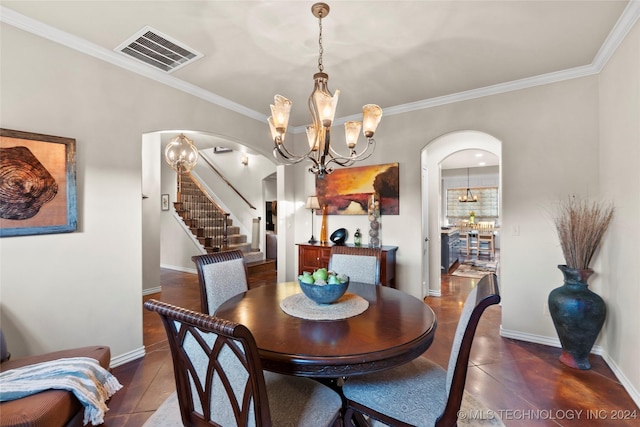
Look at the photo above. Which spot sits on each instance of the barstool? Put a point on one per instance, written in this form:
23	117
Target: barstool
486	238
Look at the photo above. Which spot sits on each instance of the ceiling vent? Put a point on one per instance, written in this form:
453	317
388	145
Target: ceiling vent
158	50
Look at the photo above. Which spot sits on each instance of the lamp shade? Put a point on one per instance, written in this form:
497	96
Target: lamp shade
371	118
352	131
312	203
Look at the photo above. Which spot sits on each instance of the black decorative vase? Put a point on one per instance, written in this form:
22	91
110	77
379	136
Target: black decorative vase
578	315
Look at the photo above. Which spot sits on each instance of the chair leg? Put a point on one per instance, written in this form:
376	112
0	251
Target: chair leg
354	419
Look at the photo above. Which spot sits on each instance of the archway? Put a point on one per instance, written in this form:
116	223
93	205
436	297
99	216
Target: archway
432	156
158	178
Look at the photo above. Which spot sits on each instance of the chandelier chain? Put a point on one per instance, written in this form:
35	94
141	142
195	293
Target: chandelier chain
320	65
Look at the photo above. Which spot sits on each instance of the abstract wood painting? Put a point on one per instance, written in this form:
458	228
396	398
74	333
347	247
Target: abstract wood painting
37	184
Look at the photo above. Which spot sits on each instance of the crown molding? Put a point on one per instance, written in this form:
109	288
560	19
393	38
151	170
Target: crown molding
626	21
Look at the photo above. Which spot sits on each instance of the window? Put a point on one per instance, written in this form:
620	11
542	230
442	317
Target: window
485	207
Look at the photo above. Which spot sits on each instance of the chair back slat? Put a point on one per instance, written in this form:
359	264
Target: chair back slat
217	369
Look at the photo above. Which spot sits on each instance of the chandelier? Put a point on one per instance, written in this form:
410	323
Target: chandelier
181	154
469	197
322	106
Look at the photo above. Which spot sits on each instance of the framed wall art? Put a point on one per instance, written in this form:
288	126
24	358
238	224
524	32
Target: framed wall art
164	203
346	191
37	184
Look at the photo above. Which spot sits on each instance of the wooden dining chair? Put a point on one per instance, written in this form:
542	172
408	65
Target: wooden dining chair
221	275
220	381
486	238
421	393
361	264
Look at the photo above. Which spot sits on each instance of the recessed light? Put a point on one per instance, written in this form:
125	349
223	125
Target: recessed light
482	163
479	154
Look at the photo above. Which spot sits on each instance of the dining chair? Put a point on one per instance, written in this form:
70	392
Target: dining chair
220	381
486	238
221	275
421	393
361	264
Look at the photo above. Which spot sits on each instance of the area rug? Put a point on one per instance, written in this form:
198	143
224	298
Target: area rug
476	269
472	414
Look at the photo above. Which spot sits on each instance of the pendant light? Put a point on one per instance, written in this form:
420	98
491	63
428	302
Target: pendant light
468	197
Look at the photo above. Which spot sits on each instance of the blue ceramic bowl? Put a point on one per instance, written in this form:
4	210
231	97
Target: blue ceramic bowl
324	294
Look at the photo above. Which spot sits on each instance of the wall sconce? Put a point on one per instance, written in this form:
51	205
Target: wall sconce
245	160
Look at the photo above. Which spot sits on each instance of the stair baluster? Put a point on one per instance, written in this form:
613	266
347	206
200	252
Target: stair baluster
206	220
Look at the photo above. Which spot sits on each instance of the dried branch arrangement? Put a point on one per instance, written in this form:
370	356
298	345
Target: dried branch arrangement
580	226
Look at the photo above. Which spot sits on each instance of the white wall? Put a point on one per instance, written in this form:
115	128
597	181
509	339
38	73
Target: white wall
619	149
151	212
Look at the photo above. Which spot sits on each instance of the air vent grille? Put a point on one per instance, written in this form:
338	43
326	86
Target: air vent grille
158	50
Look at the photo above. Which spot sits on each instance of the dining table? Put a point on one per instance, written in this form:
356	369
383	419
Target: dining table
371	328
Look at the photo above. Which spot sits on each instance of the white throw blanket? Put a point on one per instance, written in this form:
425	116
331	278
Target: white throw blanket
83	376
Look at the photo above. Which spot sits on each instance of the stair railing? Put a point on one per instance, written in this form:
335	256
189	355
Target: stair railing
204	217
227	181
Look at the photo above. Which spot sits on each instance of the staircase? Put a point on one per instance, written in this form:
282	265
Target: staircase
211	226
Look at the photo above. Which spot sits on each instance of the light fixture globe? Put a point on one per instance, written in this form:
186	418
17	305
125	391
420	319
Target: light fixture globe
181	154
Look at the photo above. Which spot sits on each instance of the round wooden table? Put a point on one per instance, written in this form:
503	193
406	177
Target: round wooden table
394	329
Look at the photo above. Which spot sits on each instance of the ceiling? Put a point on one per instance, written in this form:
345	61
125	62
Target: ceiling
470	158
402	55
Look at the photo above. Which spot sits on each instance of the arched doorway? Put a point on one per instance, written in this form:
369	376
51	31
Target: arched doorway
432	156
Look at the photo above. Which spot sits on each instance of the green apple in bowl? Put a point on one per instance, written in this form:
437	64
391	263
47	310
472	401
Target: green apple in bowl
320	274
306	277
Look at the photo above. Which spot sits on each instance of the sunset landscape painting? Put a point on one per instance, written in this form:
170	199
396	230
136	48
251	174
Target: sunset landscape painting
346	191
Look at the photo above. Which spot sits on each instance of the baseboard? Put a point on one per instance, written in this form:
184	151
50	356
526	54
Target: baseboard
150	291
597	349
628	386
433	293
179	268
541	339
127	357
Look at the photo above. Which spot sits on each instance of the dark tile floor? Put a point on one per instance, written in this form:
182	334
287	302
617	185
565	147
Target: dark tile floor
523	382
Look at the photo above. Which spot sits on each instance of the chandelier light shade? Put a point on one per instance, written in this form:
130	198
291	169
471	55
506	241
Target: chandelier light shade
468	197
322	107
181	154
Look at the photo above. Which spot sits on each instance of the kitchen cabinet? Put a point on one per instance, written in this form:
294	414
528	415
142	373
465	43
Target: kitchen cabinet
314	256
449	240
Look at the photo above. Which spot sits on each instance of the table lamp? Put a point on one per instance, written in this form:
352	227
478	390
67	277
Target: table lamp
313	204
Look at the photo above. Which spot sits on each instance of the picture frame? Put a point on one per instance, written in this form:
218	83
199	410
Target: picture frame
38	191
164	202
347	191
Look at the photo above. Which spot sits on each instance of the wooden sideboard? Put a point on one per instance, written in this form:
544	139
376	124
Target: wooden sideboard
314	256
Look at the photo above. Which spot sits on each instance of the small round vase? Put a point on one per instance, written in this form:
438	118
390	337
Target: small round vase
578	315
